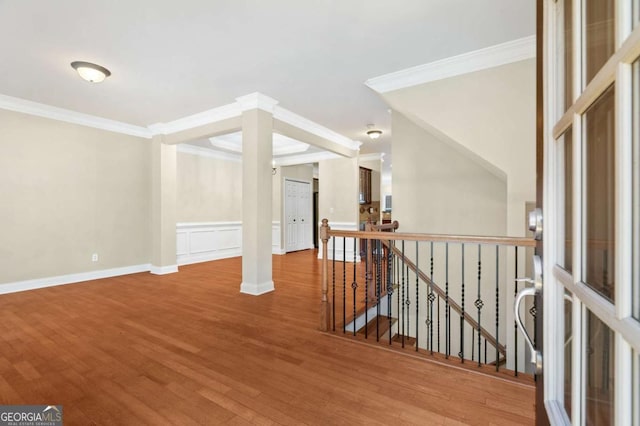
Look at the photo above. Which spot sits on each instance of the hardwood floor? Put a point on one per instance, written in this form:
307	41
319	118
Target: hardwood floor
188	348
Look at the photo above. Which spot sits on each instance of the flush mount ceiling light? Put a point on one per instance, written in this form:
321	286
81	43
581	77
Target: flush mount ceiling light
91	72
373	133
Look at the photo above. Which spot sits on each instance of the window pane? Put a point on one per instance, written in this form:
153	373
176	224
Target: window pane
566	47
565	200
636	189
599	32
568	337
599	205
600	372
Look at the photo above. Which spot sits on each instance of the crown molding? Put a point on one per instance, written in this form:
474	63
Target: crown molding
209	153
307	125
489	57
60	114
214	115
372	157
256	100
293	160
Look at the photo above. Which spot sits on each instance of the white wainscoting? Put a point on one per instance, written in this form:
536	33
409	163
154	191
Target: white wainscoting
341	243
276	240
205	241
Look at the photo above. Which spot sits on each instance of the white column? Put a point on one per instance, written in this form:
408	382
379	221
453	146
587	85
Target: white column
257	128
163	207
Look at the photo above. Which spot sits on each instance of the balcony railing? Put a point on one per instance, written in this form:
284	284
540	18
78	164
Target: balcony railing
446	294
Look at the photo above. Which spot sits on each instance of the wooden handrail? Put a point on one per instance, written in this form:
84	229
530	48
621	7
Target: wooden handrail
444	238
386	226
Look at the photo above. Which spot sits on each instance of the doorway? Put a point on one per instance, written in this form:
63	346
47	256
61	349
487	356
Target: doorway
298	217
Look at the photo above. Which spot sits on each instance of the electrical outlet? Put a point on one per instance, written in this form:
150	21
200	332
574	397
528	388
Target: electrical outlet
94	257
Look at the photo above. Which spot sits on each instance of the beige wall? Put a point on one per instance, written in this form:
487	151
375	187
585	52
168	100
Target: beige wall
436	189
208	189
338	195
67	192
490	113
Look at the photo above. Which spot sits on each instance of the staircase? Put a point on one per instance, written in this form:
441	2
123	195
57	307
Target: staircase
390	300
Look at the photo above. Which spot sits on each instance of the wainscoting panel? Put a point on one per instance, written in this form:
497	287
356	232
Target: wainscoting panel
206	241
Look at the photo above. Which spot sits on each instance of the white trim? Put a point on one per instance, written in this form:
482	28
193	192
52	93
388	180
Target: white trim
60	114
372	157
305	124
209	153
256	100
203	118
276	238
71	278
206	241
257	289
489	57
163	270
293	160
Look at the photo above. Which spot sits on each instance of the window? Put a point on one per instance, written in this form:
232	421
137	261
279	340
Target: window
599	205
599	35
600	372
565	199
568	351
636	188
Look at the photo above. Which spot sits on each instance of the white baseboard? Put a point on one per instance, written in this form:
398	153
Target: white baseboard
257	289
71	278
278	251
163	270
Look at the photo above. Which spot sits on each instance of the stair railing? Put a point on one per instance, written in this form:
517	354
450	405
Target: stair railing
387	284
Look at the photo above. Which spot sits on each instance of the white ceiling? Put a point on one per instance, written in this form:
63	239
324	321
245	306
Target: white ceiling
171	59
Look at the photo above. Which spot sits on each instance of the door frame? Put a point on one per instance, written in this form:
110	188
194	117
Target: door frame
284	212
617	316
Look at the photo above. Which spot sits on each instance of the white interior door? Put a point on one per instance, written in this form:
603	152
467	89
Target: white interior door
297	215
592	194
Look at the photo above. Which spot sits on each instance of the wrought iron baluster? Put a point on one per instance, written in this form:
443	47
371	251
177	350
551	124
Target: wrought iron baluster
333	285
389	286
473	343
408	303
403	300
497	307
354	284
367	278
438	315
447	330
378	268
431	299
515	324
479	303
485	351
461	354
417	296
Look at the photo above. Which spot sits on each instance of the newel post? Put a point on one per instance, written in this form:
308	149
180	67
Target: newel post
325	308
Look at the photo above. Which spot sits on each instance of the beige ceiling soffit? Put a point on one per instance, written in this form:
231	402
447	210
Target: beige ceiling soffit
489	57
196	120
302	135
206	130
372	157
293	160
209	153
307	125
41	110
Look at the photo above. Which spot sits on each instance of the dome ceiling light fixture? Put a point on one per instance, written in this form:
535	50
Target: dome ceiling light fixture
373	133
92	73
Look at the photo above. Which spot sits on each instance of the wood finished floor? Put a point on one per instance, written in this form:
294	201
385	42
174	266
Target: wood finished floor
188	348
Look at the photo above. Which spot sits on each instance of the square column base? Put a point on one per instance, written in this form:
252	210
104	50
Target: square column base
256	289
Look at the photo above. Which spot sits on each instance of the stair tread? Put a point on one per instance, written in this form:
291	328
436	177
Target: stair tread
380	321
